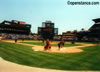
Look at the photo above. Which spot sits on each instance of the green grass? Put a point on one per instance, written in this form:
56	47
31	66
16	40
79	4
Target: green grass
42	44
20	54
34	43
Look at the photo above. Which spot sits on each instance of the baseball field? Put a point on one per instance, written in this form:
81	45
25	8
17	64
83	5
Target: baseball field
78	56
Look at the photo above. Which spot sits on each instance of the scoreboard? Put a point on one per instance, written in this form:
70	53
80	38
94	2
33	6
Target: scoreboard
50	25
47	31
47	25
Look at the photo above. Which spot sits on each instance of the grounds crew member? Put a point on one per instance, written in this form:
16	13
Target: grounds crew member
47	46
60	44
16	39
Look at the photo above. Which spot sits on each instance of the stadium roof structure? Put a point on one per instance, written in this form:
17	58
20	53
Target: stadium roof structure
97	20
15	27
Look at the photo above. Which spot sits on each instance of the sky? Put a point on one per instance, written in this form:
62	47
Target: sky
66	17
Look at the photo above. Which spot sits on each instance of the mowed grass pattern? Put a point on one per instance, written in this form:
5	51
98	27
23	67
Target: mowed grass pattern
20	54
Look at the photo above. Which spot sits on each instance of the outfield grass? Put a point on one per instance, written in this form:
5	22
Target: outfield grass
42	44
87	60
